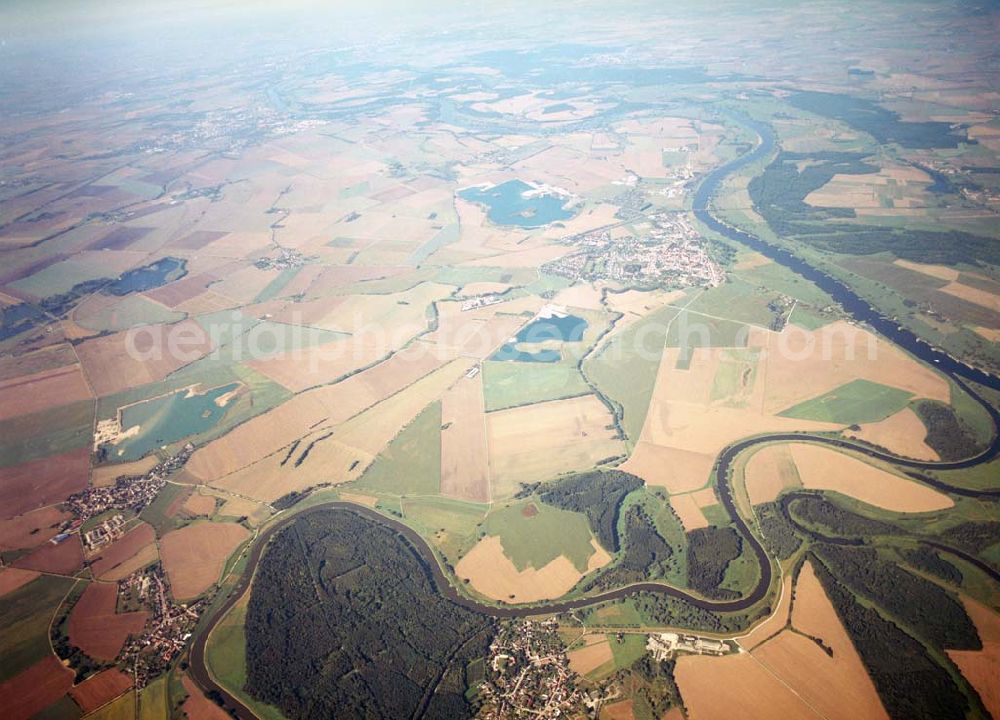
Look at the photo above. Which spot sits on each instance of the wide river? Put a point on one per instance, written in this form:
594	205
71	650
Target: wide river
855	306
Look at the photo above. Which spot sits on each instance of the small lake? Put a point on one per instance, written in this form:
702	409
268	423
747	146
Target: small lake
569	328
147	277
167	419
506	205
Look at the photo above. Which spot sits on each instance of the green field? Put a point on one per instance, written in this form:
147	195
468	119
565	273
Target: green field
778	278
451	525
625	369
736	300
48	432
24	623
411	464
277	285
510	384
735	377
128	312
153	700
121	709
536	540
627	650
859	401
693	330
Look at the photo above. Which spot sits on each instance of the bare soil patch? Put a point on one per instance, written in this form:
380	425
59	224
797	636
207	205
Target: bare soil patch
193	557
96	628
35	689
100	689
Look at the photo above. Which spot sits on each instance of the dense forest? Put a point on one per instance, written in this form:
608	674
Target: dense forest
929	610
647	555
926	560
710	550
947	434
924	691
778	534
344	622
599	496
817	512
779	195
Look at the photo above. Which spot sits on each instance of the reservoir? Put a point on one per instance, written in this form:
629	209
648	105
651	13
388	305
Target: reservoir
507	205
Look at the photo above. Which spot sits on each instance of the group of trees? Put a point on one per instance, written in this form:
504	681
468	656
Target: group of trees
646	554
344	621
599	496
710	550
947	434
816	511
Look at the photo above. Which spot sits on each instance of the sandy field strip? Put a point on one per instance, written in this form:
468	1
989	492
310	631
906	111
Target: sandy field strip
688	511
31	529
146	556
769	471
198	504
903	433
99	689
823	468
715	687
465	470
46	481
596	652
128	359
677	470
194	555
982	667
108	558
66	558
974	295
800	365
34	689
105	475
539	441
96	628
837	686
308	367
494	575
41	391
775	622
199	707
13	578
941	272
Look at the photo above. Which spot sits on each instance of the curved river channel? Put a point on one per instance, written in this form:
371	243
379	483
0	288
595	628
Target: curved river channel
855	306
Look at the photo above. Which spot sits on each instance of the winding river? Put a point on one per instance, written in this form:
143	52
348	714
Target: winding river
855	306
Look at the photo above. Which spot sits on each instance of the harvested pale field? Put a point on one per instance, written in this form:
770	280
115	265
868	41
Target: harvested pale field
13	578
677	470
903	434
100	689
584	295
769	471
34	689
341	453
775	622
42	482
465	470
146	556
837	686
64	558
991	334
205	303
530	258
619	710
483	288
471	334
596	652
359	499
105	475
641	302
941	272
194	556
536	442
688	511
198	504
199	707
308	367
137	357
821	468
245	284
236	507
752	260
275	430
714	688
41	391
124	548
982	667
800	365
96	628
984	298
493	574
31	529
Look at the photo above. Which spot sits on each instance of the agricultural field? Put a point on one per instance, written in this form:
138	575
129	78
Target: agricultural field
528	310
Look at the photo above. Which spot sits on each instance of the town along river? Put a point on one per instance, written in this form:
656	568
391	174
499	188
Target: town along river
854	305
